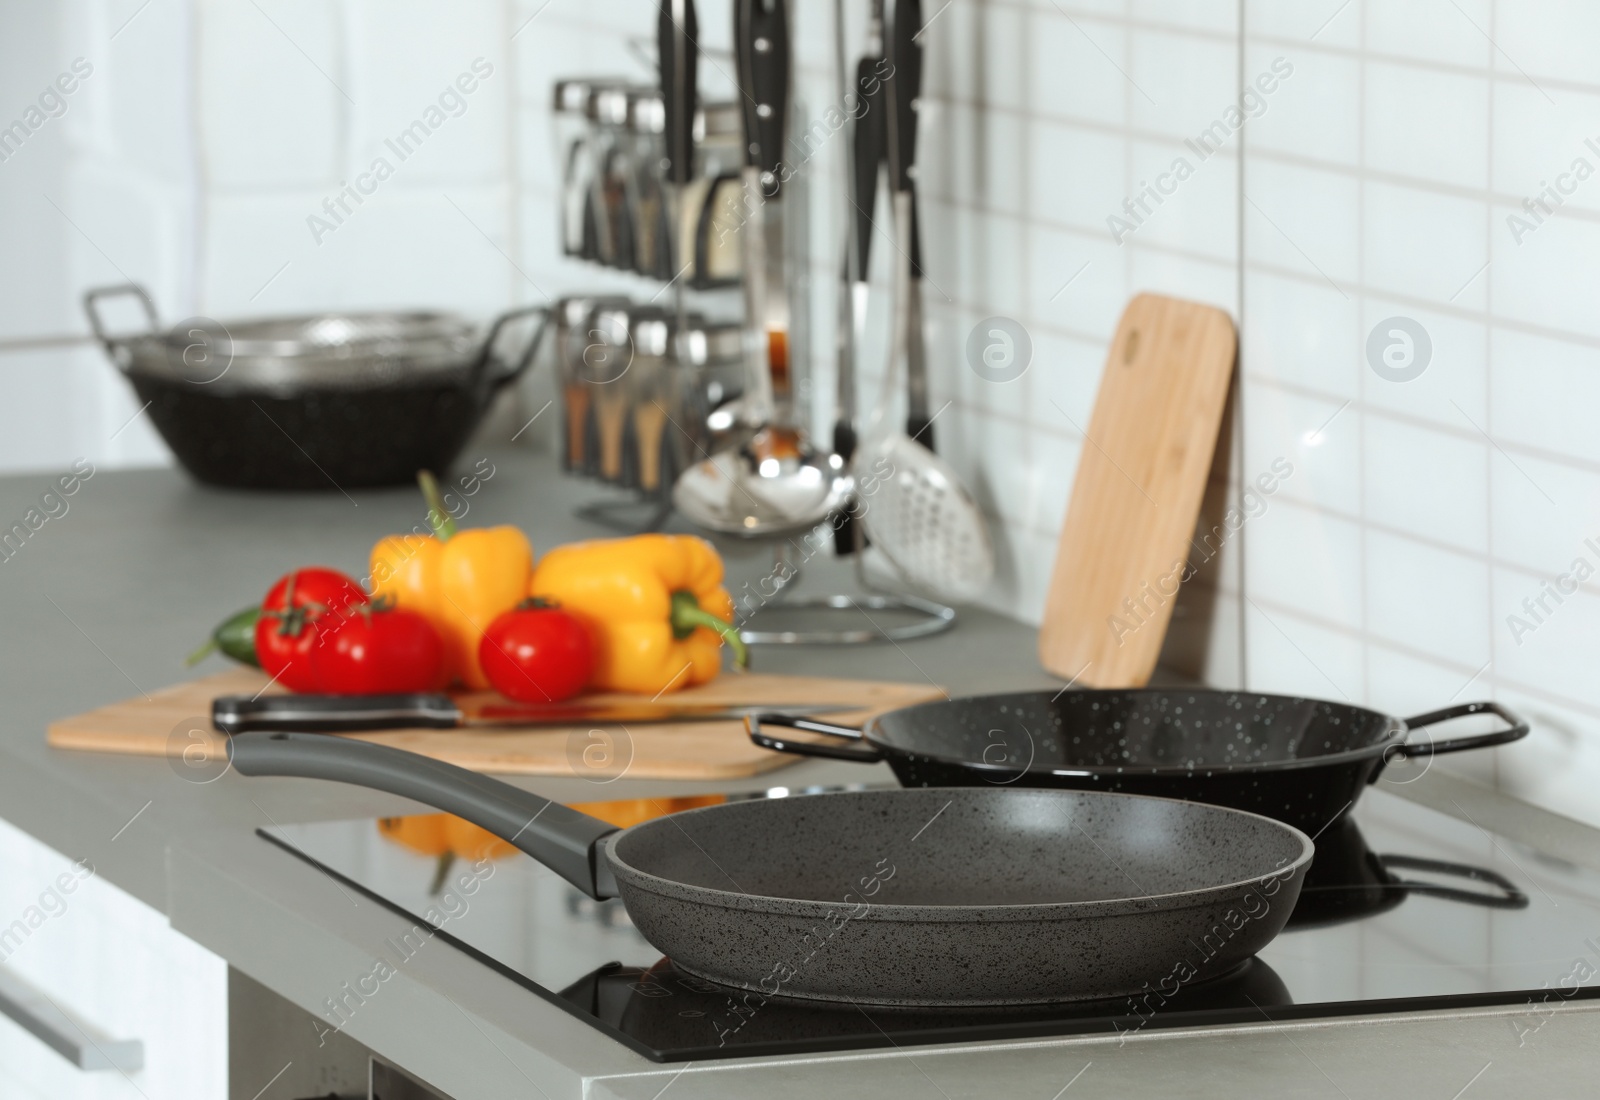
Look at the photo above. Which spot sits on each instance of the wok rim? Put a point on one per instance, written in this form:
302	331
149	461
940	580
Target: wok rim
244	377
1397	731
674	889
430	326
444	353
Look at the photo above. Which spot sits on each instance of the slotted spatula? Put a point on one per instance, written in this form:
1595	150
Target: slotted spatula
1141	477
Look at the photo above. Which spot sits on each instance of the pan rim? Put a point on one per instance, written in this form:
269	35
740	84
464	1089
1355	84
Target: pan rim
1171	901
1395	733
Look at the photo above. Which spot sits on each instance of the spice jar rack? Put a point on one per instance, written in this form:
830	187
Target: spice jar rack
633	414
614	209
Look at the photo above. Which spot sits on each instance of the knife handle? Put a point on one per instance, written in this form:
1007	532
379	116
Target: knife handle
869	146
677	35
761	44
905	50
844	520
919	424
334	713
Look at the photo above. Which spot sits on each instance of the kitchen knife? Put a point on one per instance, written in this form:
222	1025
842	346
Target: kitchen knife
677	40
905	88
354	713
677	31
761	44
866	156
869	147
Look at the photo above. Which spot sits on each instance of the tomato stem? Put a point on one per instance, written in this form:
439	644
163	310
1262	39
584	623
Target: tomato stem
291	621
688	615
439	517
441	871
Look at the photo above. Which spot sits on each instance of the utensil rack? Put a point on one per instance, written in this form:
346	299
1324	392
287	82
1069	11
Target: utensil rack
618	178
614	213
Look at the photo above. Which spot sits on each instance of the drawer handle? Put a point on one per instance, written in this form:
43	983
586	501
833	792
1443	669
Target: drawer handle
35	1013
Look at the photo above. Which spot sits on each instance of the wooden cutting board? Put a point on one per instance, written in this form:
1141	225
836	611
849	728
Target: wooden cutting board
177	719
1141	477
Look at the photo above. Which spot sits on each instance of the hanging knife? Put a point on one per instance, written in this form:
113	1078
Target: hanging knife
905	88
865	158
761	44
677	31
354	713
869	150
677	38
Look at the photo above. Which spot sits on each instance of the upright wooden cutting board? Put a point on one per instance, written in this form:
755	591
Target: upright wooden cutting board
176	719
1141	477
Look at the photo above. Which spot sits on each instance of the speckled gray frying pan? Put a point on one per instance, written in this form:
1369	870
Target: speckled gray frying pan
967	896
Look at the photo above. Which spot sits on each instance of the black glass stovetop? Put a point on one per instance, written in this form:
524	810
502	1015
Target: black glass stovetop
1404	909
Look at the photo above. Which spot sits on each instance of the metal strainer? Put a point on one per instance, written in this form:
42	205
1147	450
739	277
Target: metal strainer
924	521
916	511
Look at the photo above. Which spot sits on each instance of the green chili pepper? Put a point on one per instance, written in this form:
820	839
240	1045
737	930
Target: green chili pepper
234	637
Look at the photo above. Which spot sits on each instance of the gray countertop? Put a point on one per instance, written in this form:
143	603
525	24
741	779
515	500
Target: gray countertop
102	602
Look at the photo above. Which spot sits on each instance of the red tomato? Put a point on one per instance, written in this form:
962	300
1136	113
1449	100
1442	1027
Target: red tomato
537	653
286	633
377	650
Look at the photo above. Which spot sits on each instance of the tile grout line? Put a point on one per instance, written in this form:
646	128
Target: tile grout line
1488	375
1025	21
1429	658
1483	558
1566	461
1240	437
1361	319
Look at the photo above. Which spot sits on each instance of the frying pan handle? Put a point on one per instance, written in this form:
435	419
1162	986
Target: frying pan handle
91	306
1515	730
863	755
564	840
1507	896
495	383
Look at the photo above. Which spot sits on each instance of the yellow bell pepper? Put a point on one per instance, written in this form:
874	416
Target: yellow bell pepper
654	603
460	581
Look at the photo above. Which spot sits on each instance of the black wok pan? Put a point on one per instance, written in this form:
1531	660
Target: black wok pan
317	402
1302	761
925	897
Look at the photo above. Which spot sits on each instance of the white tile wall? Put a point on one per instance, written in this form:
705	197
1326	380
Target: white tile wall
1374	180
263	123
1461	491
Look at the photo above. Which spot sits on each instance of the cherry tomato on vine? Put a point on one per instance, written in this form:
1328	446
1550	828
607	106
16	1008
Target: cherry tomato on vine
372	649
537	653
286	633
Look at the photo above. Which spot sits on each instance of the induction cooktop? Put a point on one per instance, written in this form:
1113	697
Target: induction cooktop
1405	908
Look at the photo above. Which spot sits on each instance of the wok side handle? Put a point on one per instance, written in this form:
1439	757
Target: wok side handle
1515	730
91	306
866	754
1506	895
562	839
496	382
